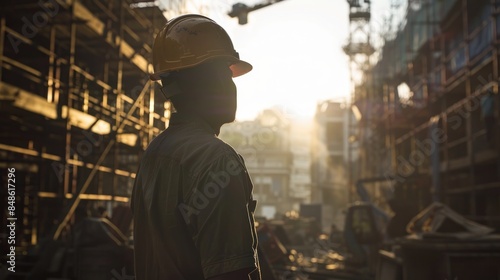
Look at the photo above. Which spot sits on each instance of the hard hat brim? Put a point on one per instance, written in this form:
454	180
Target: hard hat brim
238	67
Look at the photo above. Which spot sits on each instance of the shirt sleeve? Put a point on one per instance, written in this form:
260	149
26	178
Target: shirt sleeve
220	219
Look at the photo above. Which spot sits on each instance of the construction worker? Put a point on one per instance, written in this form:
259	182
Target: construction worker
192	197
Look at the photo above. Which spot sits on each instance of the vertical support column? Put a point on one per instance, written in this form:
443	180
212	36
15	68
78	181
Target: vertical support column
34	221
496	64
105	92
143	123
151	113
57	88
441	103
350	179
413	148
2	39
389	124
64	111
429	18
86	95
68	102
50	80
119	101
470	146
468	121
427	72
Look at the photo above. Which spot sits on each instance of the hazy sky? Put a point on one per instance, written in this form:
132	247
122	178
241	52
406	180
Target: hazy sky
295	47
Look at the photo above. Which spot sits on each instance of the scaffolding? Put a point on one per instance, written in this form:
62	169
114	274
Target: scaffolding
77	106
359	49
437	141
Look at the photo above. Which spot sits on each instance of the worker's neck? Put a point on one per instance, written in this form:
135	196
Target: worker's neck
213	121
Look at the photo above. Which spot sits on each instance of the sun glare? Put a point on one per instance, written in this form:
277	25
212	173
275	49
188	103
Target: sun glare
296	94
297	59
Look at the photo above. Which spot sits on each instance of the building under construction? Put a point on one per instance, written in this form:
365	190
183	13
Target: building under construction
430	110
429	130
77	109
438	141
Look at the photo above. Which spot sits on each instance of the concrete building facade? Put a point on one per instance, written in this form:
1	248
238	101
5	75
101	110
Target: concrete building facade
330	156
280	172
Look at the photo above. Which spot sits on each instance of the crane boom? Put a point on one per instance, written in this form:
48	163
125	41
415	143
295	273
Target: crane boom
241	10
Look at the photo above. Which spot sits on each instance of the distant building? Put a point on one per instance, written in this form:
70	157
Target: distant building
300	175
280	172
330	161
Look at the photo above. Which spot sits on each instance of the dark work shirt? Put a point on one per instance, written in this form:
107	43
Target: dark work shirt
193	207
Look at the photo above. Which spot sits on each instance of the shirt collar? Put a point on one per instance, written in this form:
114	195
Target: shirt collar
183	118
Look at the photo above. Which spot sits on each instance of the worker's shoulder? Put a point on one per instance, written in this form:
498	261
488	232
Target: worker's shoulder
188	141
206	153
213	146
191	148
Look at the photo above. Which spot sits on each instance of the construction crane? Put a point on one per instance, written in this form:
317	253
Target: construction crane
241	10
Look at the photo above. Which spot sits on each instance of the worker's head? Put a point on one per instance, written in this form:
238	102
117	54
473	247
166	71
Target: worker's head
206	90
195	61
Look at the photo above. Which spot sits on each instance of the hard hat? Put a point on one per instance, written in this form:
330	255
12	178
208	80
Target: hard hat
190	40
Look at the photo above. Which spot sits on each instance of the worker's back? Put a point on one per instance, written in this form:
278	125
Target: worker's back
176	207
